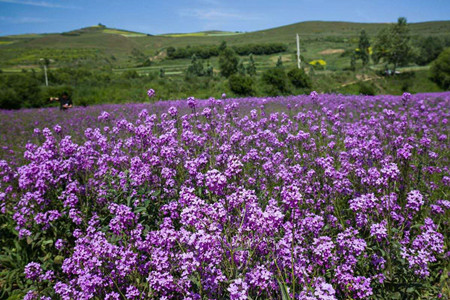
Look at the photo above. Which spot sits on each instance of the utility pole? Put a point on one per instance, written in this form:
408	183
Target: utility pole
46	61
299	61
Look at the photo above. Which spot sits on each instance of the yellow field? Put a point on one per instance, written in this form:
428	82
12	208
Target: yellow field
201	34
123	33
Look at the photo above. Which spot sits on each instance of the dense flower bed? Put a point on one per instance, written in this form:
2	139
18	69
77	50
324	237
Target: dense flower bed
301	197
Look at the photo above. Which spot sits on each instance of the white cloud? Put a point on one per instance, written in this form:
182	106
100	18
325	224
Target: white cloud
22	20
212	14
37	3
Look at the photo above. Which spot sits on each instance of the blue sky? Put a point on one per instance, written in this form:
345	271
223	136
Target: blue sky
170	16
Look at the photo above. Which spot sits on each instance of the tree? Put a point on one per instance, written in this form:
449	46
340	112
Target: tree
428	50
440	70
276	81
195	68
228	62
241	85
392	45
222	46
138	56
363	47
241	68
171	51
299	78
251	68
209	70
279	62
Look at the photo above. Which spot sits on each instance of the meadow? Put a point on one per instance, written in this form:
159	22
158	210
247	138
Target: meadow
319	196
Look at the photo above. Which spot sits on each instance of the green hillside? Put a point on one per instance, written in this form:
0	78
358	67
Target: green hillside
116	45
101	64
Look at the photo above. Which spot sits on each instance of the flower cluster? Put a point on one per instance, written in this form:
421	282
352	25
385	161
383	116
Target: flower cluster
342	198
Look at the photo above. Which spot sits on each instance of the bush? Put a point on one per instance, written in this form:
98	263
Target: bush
241	85
9	99
299	78
276	81
130	74
428	50
366	89
20	91
440	70
228	62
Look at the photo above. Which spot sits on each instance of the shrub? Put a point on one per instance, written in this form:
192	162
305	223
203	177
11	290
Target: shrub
228	62
241	85
276	81
366	89
440	70
299	78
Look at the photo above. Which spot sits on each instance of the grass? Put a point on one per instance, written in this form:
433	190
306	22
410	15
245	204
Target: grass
124	32
96	46
202	33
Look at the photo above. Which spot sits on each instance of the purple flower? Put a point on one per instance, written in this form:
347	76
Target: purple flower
238	290
33	271
31	295
132	292
215	181
173	111
191	102
406	97
379	230
314	96
414	200
150	93
104	116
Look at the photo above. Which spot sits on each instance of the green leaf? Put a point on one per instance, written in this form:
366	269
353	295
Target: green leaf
47	242
59	259
284	292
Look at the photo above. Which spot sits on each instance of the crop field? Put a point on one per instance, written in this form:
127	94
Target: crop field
298	197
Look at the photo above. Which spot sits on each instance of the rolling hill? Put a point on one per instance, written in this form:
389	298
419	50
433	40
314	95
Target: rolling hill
117	44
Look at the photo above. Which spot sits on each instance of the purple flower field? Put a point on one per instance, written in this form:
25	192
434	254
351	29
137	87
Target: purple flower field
299	197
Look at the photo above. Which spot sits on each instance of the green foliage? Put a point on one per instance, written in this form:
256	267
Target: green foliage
276	81
209	70
392	45
222	46
130	74
195	68
428	50
363	47
241	68
279	62
251	68
366	89
228	62
207	51
18	91
260	49
440	70
299	78
241	85
16	253
201	51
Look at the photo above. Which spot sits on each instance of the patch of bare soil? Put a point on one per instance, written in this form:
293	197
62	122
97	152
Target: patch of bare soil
331	51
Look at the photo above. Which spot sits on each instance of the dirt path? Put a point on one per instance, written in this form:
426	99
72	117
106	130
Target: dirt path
360	80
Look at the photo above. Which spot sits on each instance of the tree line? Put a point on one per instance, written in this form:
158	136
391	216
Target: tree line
207	51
